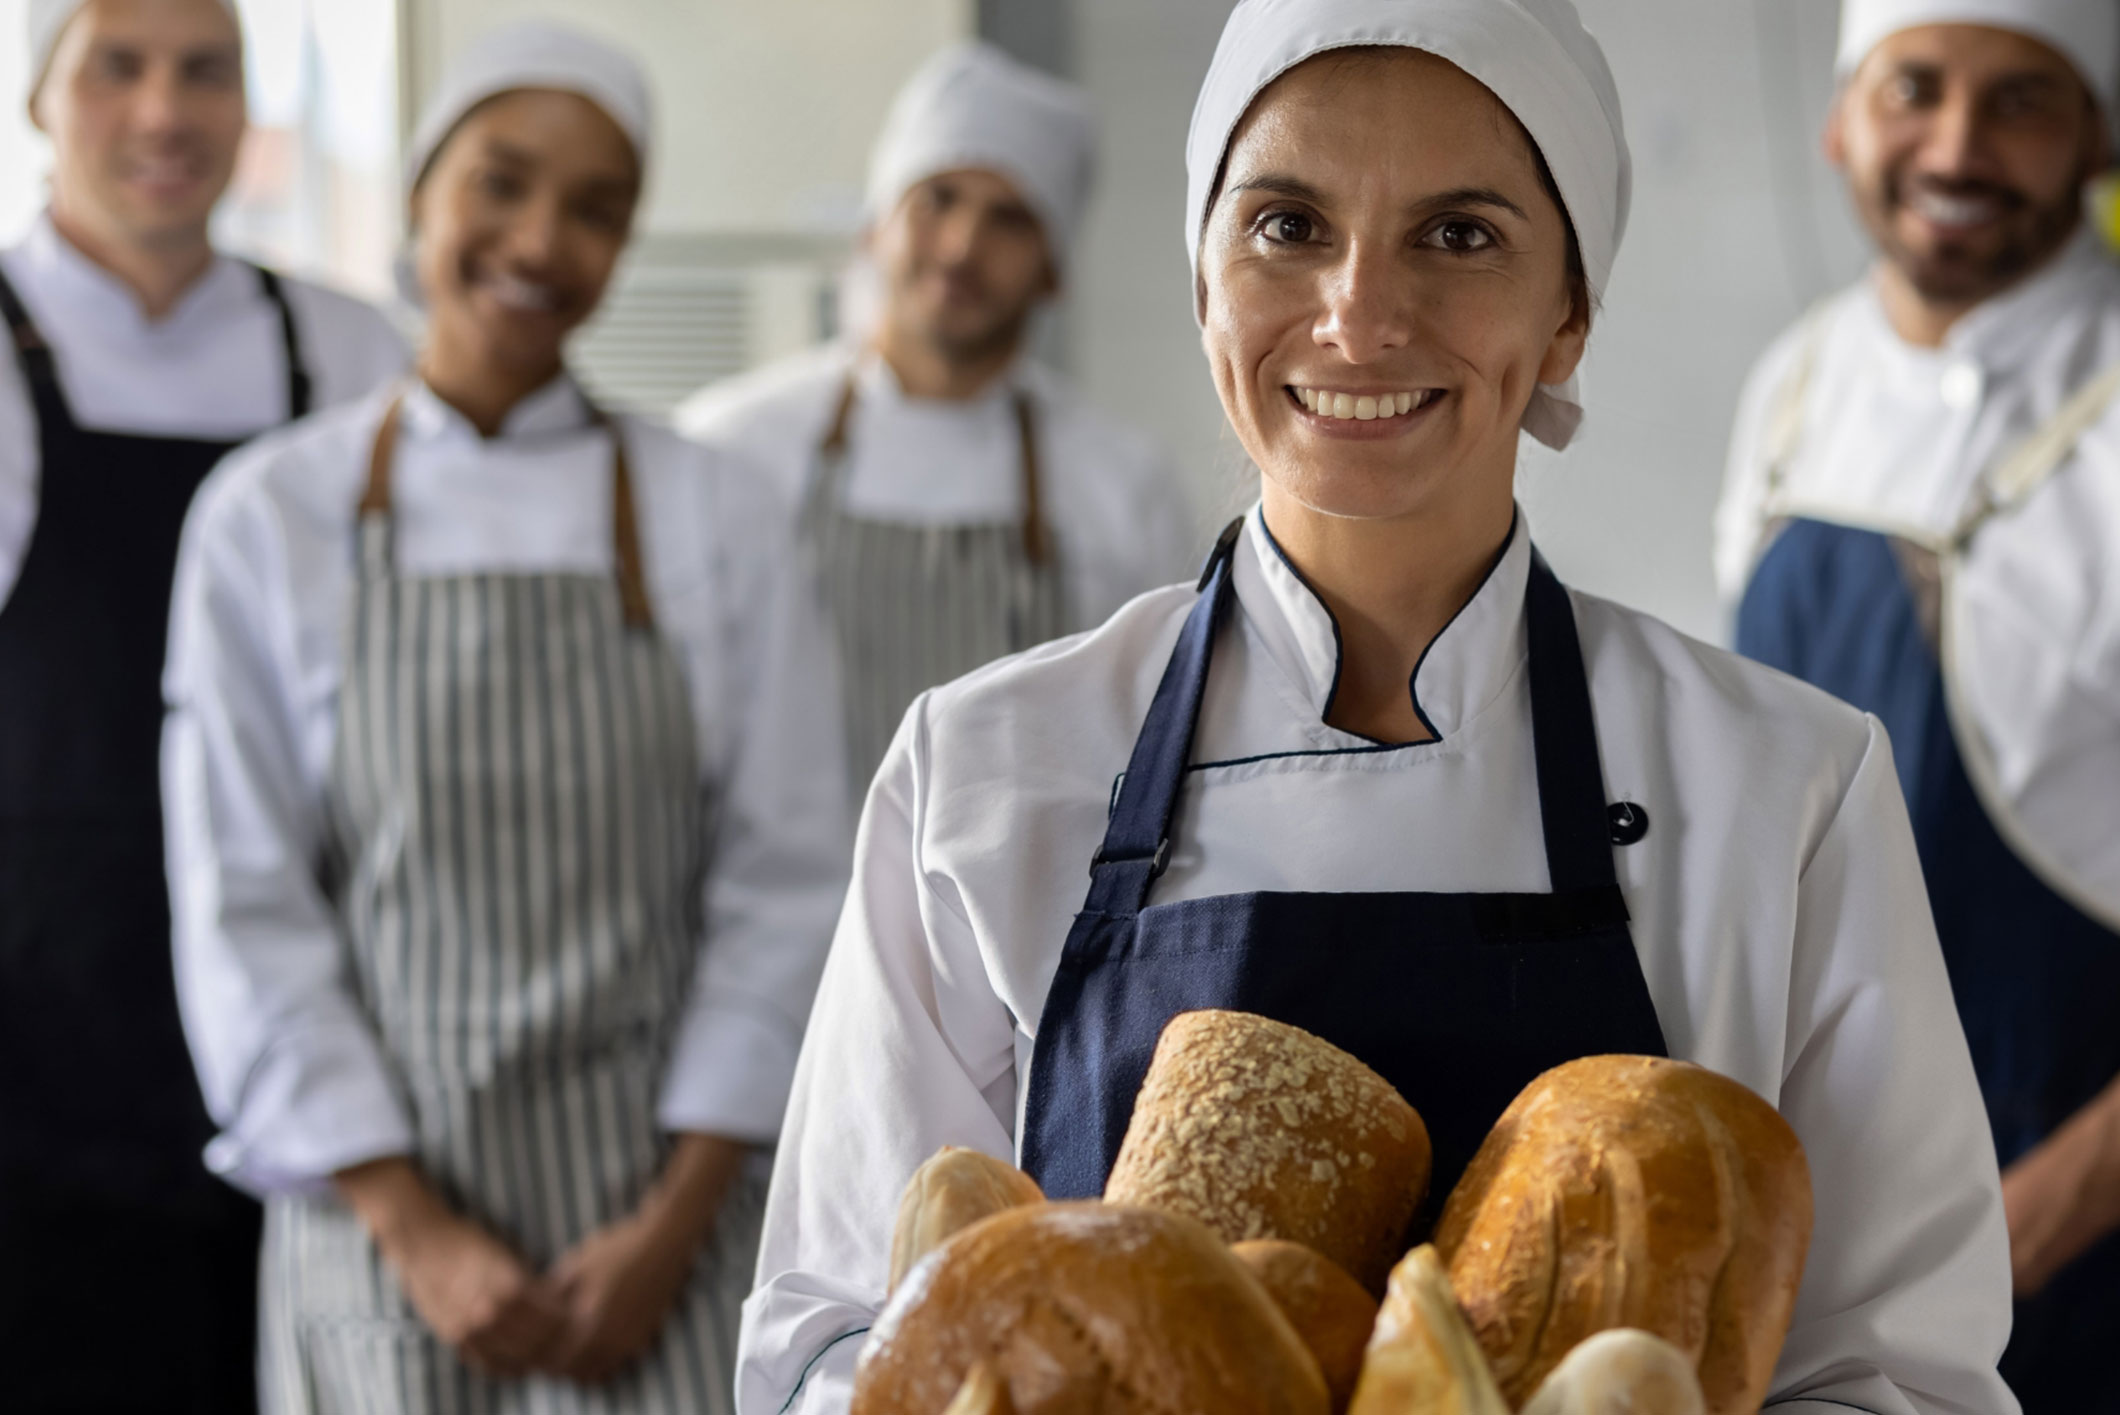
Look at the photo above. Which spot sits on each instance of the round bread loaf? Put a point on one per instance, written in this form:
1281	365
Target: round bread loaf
1328	1309
1087	1307
1261	1130
953	1190
1632	1191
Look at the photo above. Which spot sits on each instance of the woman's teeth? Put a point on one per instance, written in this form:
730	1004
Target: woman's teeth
1364	407
523	294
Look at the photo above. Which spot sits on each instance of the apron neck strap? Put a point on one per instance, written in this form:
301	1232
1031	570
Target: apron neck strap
300	390
1571	780
1571	786
1037	539
375	505
34	356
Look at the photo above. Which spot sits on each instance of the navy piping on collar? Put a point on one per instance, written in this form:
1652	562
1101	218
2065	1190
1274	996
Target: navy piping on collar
811	1365
1339	651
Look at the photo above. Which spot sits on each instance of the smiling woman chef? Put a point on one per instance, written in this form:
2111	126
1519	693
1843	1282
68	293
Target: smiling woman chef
1383	776
508	820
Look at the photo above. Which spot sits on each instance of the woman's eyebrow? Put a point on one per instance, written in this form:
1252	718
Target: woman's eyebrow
1474	196
1292	187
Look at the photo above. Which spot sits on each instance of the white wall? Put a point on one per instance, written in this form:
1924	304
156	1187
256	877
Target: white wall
1723	100
765	108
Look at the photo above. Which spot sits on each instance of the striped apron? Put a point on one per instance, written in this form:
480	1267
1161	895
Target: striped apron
518	846
918	605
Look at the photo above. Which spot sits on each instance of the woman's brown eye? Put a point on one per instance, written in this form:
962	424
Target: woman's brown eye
1289	226
1461	236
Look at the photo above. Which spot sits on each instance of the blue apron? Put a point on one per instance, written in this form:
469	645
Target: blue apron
1459	1000
2037	980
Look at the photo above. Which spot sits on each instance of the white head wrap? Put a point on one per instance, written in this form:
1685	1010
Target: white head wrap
1534	55
973	106
533	54
48	20
2086	32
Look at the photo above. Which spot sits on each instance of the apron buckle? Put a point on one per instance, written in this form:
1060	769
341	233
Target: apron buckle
1157	863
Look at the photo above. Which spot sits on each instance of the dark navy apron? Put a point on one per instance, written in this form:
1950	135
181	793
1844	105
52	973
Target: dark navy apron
1459	1000
128	1274
2037	981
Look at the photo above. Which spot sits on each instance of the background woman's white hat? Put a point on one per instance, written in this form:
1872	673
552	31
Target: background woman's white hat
1534	55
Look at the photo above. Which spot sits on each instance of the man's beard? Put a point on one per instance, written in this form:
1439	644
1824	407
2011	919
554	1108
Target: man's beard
1965	272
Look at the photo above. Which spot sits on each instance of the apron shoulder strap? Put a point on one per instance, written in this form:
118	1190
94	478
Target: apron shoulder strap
1136	846
1037	543
300	390
34	356
1785	420
1571	781
2031	463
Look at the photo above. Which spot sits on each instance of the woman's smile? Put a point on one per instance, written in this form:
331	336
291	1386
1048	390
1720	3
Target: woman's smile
1364	414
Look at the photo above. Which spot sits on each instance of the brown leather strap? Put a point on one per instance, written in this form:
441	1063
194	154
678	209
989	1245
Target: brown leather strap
1037	547
835	433
375	496
625	525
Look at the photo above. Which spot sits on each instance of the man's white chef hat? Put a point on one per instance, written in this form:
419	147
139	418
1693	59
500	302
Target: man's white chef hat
2086	32
533	54
1534	55
48	20
973	106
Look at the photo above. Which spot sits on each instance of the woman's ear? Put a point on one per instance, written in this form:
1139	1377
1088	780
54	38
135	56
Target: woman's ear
1566	349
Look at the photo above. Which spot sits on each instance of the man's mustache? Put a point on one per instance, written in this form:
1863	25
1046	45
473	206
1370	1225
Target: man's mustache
1900	187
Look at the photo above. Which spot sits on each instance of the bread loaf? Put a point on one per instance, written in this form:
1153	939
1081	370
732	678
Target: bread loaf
1628	1191
1422	1358
1332	1312
1087	1307
1621	1372
1261	1130
954	1189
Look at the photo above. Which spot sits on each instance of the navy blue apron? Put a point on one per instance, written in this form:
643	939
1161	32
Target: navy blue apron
1459	1000
2037	980
128	1274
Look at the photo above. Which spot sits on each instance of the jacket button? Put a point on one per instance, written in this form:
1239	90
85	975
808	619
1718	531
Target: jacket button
1629	822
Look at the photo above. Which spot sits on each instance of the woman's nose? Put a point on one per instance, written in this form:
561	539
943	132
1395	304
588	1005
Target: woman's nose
1366	306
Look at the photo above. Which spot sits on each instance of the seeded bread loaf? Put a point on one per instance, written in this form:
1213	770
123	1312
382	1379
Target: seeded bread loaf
953	1190
1629	1191
1261	1130
1087	1307
1330	1310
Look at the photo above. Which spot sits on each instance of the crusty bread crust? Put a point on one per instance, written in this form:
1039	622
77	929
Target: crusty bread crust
1329	1309
1088	1307
1261	1130
1628	1191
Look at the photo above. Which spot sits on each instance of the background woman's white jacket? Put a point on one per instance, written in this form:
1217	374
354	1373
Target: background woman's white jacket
290	1065
1777	908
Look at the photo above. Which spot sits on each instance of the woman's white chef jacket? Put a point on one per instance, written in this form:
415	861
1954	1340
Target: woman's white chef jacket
290	1065
1897	436
1777	908
214	366
1113	501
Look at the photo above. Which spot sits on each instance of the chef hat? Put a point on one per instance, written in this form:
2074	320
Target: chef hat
2086	32
532	54
48	20
973	106
1534	55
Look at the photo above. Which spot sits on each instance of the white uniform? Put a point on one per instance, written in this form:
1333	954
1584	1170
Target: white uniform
291	1064
1899	438
1112	500
215	366
1776	901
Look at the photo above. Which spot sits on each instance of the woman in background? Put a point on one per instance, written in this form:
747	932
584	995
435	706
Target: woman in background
507	818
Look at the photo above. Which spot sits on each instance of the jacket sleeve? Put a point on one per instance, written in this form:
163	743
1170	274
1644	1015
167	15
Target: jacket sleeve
777	868
909	1050
290	1067
1905	1305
